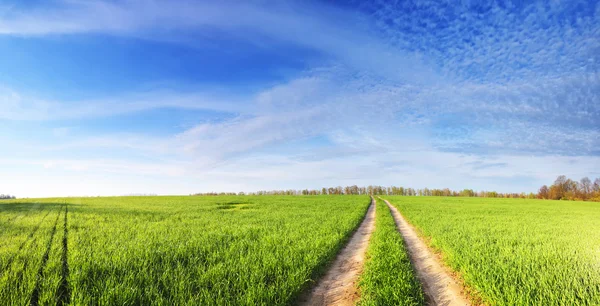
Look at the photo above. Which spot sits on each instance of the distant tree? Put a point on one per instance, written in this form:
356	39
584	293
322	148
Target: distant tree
595	196
563	188
596	186
585	186
560	188
467	193
567	189
543	193
362	190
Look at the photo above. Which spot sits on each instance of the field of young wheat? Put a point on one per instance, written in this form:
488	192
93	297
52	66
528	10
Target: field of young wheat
271	250
514	251
170	250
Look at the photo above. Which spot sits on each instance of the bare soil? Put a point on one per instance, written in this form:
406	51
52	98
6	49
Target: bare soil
339	285
439	286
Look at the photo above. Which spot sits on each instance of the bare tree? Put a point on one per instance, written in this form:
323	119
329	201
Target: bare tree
586	187
543	192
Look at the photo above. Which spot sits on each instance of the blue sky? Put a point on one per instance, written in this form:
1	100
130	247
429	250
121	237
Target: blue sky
176	97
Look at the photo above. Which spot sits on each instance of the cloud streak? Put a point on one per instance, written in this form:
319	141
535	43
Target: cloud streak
17	106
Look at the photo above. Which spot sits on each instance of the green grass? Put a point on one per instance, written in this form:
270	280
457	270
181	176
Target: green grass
224	250
515	251
388	277
25	236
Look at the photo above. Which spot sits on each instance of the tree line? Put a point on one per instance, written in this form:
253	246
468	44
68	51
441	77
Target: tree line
7	197
567	189
380	190
562	189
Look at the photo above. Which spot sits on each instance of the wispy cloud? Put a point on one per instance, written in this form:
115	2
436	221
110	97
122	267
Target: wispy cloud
420	88
477	118
339	33
17	106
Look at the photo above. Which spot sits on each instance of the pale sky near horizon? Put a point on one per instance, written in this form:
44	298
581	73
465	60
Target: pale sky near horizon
178	97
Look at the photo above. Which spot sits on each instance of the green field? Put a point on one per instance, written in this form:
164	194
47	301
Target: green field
388	277
238	250
268	250
515	251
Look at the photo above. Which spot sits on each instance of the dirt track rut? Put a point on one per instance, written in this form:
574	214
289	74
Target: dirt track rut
440	288
339	285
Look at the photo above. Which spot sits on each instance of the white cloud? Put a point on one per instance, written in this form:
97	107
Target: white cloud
17	106
437	96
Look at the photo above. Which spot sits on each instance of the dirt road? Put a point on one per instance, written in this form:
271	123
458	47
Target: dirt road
339	285
440	288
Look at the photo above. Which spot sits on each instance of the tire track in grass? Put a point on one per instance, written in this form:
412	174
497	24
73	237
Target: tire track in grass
388	277
339	284
31	237
64	291
439	286
12	219
35	206
35	294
